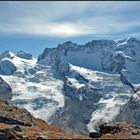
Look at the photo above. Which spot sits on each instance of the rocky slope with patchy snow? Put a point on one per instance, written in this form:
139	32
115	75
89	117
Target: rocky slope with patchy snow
93	97
130	112
100	76
18	123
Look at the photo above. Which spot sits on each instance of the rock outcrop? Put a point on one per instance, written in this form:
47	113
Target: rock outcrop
118	130
7	67
18	123
130	112
12	115
7	54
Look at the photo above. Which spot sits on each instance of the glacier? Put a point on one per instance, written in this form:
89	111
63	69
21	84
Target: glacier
76	87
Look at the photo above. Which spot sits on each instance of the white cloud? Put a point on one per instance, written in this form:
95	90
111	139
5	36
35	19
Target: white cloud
67	19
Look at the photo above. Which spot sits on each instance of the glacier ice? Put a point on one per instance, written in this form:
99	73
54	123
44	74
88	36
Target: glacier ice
76	87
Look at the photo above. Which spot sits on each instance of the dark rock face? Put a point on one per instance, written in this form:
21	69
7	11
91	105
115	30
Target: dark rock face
119	61
130	112
106	128
117	130
8	134
72	117
109	128
7	67
45	52
86	92
5	90
11	133
95	134
124	80
9	120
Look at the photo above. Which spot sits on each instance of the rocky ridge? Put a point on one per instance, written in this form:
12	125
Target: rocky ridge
101	55
18	123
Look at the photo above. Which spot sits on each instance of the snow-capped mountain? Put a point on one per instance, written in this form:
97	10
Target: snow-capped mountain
33	86
75	87
100	55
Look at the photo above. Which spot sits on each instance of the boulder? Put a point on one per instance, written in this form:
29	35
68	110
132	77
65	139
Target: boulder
95	134
110	128
17	128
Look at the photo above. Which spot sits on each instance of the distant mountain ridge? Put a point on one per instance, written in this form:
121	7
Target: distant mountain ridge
100	55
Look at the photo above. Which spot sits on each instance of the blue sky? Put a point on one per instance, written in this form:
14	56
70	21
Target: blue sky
34	25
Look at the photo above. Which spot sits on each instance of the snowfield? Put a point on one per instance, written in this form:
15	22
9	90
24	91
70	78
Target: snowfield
76	87
39	93
44	97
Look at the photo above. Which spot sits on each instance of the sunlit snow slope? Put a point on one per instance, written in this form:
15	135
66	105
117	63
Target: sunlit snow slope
114	94
34	88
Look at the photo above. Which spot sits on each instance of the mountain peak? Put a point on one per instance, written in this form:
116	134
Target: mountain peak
128	40
101	42
67	44
23	54
22	51
7	54
132	39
